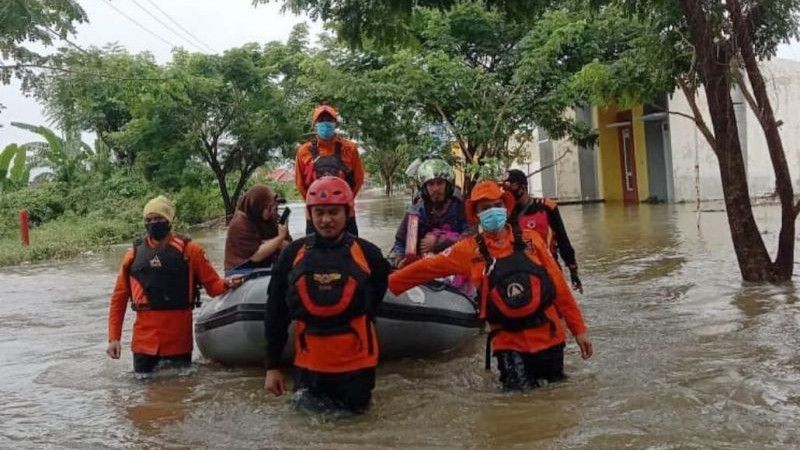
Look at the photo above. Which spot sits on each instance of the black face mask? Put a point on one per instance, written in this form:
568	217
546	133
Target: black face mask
158	230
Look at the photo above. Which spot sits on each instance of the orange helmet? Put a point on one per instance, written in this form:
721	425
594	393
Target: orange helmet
487	190
330	191
321	109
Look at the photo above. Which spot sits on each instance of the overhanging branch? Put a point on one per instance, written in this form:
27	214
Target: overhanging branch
689	93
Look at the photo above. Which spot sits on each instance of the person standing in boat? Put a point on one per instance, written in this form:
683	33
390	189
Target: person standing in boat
435	221
255	235
541	215
522	292
328	154
330	283
160	277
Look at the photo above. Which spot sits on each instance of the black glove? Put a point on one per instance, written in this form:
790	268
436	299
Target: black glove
576	281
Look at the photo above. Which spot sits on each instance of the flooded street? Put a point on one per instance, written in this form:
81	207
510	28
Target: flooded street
686	356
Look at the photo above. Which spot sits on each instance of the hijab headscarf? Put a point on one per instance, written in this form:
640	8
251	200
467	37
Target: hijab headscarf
248	229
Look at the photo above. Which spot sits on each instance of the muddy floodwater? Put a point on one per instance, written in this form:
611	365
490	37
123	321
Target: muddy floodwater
686	356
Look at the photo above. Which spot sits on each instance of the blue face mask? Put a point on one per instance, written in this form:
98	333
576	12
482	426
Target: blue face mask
493	219
325	130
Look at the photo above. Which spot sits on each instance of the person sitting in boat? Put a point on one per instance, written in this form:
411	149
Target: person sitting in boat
160	276
255	234
411	173
435	221
522	292
330	283
541	215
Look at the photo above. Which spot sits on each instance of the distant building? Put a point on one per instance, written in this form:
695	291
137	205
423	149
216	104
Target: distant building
646	154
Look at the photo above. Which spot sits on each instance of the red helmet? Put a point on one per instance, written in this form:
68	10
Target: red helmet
330	190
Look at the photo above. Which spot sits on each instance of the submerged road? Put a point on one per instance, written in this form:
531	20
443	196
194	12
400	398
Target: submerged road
686	357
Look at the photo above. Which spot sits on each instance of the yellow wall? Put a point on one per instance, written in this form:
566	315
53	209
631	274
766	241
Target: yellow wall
609	154
639	140
610	164
458	169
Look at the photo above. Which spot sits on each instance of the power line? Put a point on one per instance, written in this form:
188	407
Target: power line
177	24
108	2
167	27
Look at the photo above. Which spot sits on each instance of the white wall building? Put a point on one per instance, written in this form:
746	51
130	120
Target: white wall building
689	146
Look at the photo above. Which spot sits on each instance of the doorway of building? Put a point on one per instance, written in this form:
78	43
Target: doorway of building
630	191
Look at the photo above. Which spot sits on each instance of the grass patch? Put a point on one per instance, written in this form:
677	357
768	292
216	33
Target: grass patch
67	238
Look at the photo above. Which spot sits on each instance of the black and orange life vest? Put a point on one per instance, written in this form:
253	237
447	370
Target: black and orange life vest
515	292
328	301
160	278
331	165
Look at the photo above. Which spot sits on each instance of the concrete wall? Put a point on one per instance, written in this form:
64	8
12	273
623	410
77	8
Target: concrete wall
588	161
529	164
563	180
689	146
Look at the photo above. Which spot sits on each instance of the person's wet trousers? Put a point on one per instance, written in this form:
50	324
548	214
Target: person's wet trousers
524	371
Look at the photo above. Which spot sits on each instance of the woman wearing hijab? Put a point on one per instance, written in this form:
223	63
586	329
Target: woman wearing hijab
255	238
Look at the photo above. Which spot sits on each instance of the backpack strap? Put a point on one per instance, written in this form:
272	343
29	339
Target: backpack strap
484	251
314	150
519	244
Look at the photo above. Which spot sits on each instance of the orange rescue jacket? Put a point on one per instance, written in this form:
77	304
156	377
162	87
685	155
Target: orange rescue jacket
324	347
163	332
304	162
464	258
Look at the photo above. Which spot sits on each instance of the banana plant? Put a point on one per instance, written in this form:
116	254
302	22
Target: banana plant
66	157
13	170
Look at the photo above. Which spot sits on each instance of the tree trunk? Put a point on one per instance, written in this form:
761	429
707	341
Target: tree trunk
784	261
469	180
714	63
230	208
244	175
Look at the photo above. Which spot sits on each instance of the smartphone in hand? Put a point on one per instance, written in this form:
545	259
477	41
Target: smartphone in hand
284	216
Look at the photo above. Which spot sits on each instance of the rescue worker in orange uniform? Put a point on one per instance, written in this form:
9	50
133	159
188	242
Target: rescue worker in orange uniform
160	275
541	214
522	292
330	283
328	154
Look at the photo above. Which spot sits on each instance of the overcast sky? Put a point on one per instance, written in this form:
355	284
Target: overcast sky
217	26
220	24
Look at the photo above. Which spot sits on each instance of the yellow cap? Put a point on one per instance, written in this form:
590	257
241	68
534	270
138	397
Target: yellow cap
161	206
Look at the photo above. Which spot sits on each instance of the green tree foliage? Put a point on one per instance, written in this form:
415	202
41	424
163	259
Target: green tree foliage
467	67
385	22
622	51
28	24
98	92
389	127
707	48
14	171
232	111
66	156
